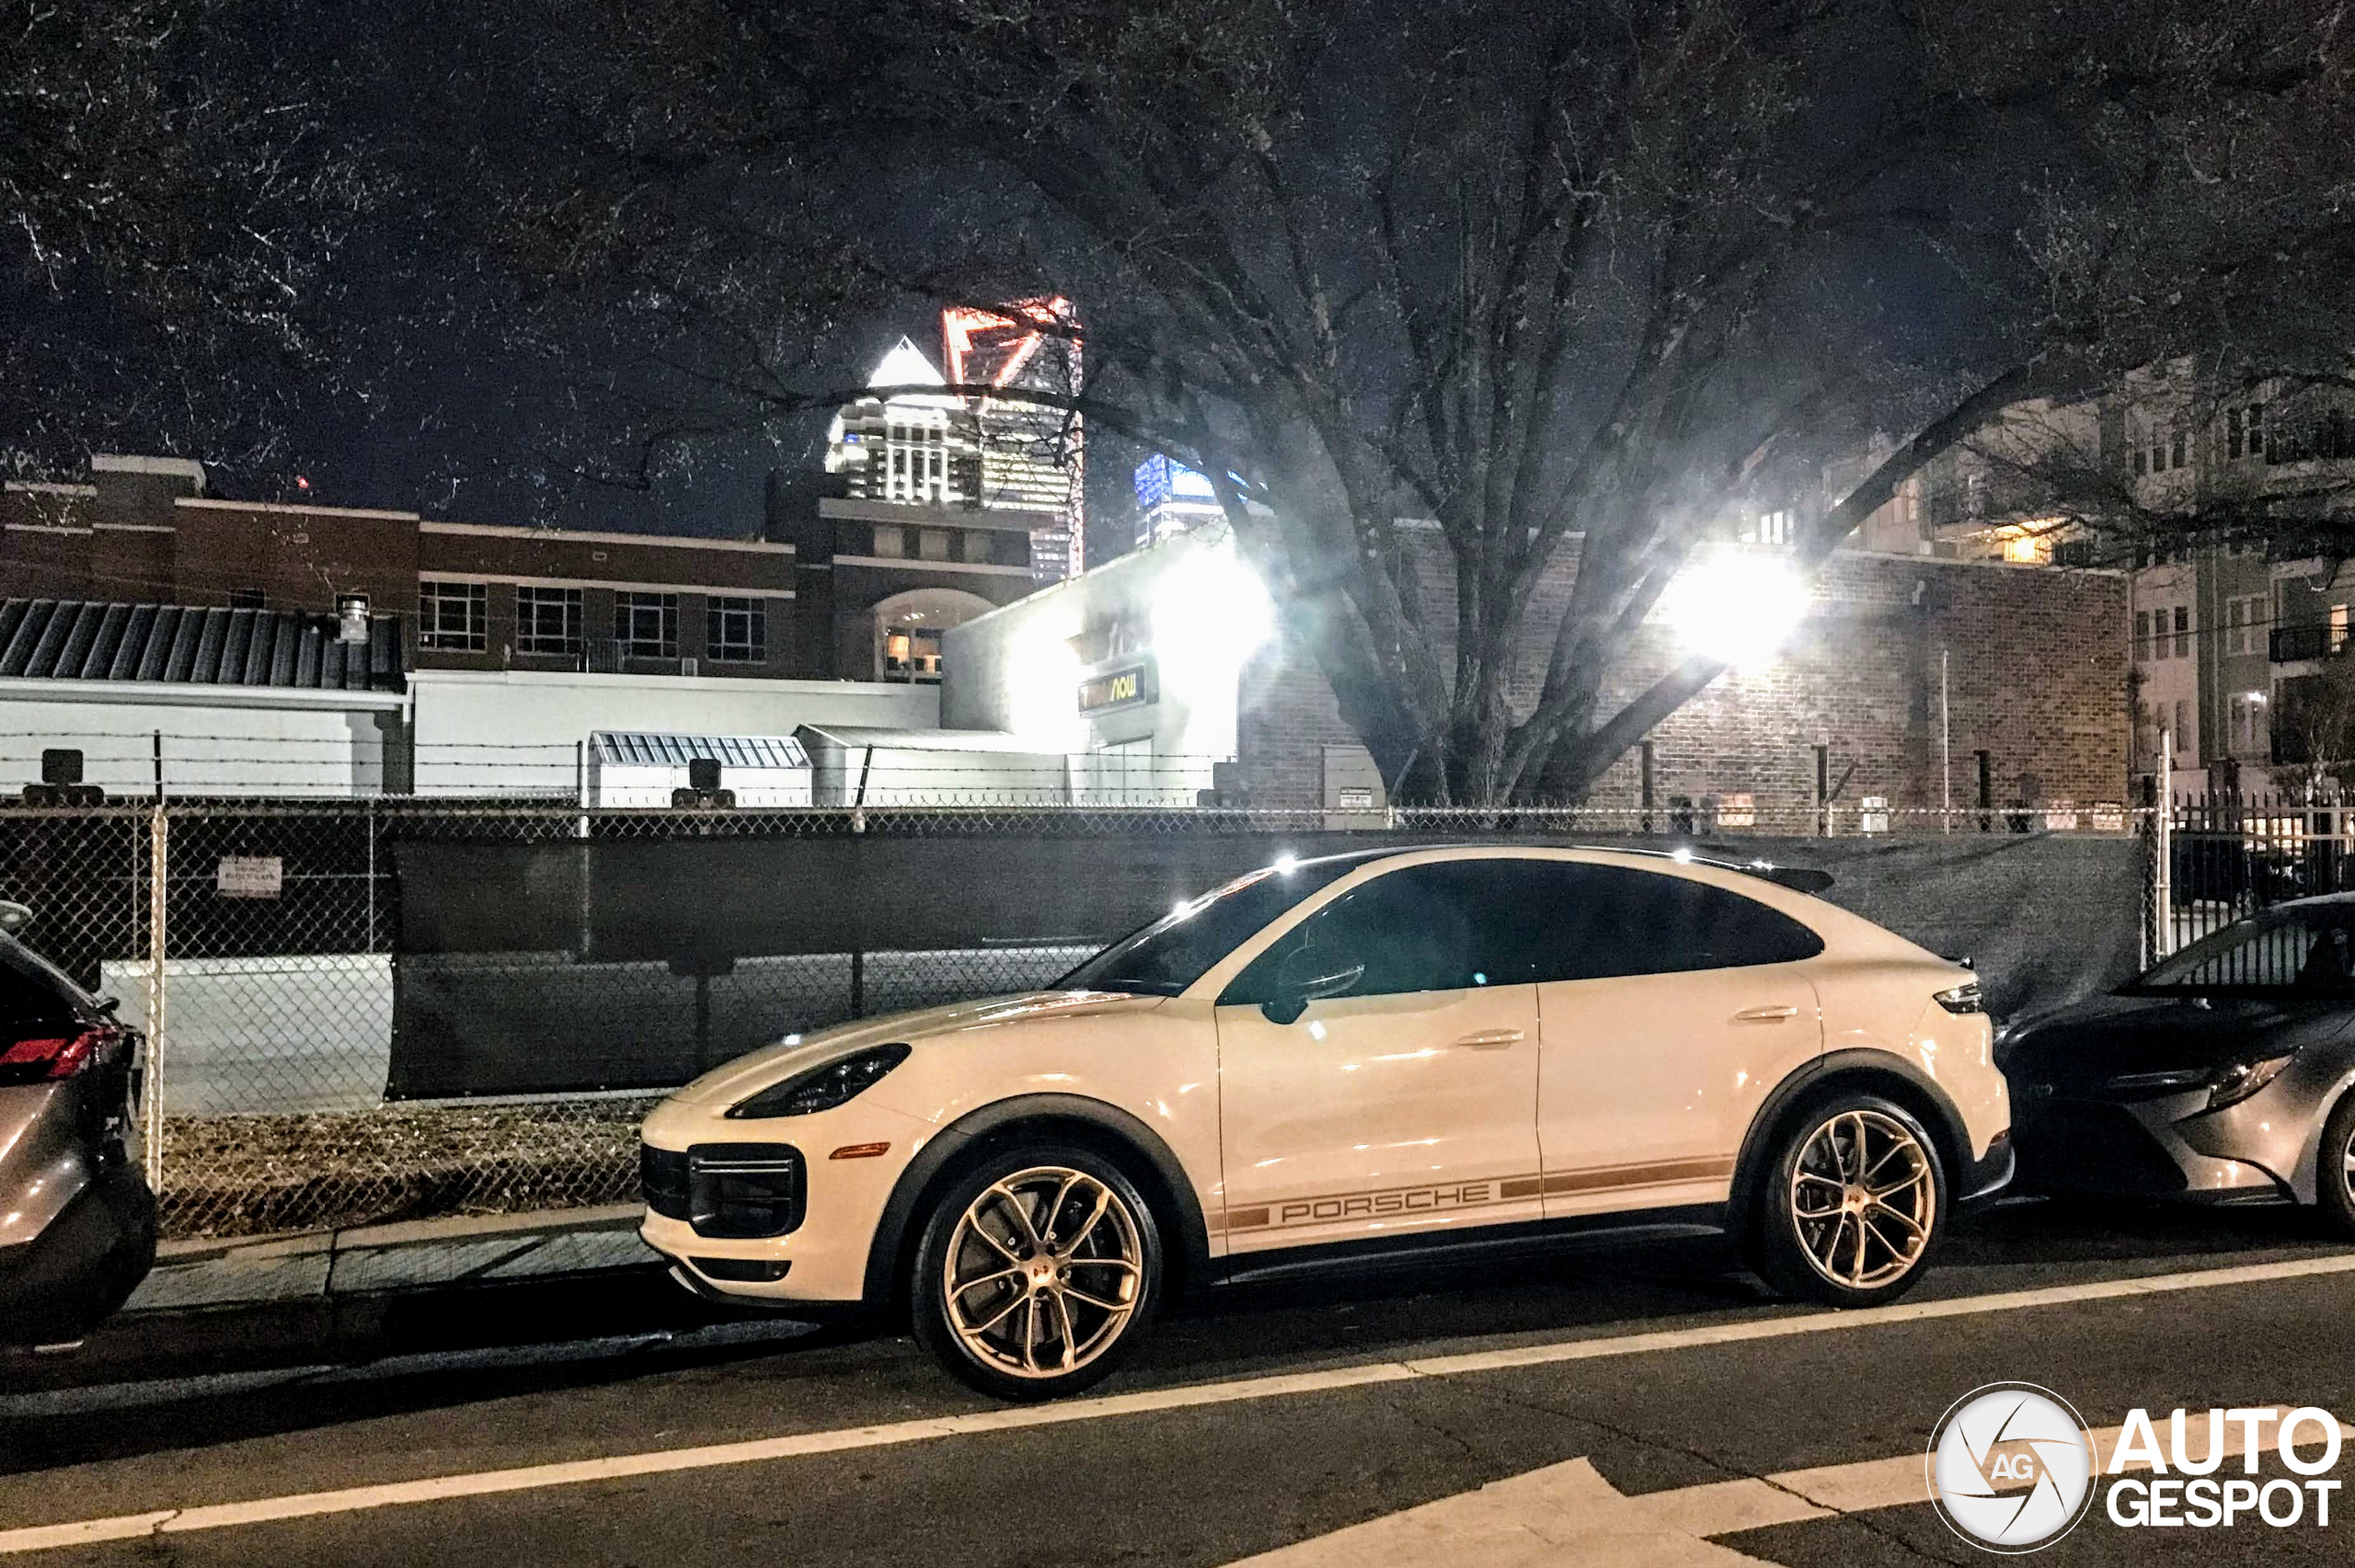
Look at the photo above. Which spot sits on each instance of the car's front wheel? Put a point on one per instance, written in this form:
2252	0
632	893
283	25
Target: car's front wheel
2335	1167
1853	1205
1038	1272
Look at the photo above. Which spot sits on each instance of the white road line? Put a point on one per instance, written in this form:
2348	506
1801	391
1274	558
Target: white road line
670	1461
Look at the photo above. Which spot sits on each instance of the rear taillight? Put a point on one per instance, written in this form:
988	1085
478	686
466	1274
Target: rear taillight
1964	998
59	1056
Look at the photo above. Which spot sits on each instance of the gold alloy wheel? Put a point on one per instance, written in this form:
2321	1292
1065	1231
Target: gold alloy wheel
1043	1273
1864	1197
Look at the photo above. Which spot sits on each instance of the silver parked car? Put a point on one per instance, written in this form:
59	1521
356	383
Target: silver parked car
2224	1074
77	1223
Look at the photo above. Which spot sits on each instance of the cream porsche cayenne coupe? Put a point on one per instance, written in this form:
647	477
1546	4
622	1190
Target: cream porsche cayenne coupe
1333	1060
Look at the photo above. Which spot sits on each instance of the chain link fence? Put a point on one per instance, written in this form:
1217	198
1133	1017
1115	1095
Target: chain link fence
366	1010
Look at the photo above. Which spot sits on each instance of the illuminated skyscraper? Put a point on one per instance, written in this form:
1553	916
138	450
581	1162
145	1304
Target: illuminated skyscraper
1172	499
911	446
1031	456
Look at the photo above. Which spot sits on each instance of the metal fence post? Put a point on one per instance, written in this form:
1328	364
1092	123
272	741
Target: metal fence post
158	904
2162	834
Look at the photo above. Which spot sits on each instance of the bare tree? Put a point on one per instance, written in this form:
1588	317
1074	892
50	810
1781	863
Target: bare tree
171	202
1560	281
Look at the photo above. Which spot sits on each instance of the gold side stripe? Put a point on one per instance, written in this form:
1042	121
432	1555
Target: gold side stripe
1610	1177
1446	1197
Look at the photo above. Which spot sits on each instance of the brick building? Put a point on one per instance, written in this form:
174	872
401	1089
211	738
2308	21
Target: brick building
1911	680
489	596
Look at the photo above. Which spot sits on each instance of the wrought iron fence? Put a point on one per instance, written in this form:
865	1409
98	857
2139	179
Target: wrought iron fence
388	1008
2231	854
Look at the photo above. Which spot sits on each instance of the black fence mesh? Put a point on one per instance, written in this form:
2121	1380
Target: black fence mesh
393	1007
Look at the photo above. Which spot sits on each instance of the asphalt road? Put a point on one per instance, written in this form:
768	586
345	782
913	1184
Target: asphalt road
1611	1404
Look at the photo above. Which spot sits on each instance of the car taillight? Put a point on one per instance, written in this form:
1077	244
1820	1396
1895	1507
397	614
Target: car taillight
58	1056
1964	998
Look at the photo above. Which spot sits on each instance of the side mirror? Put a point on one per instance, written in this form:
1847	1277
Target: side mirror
1307	974
14	916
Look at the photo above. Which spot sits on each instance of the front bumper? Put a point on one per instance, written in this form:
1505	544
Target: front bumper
2170	1147
808	1247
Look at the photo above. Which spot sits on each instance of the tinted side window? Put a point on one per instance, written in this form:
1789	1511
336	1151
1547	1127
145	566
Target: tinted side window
1415	930
28	1006
1583	923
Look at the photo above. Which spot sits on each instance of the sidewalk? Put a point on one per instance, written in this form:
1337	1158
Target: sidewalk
372	1259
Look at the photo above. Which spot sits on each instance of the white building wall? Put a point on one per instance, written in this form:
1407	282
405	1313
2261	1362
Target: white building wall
1188	607
221	740
2170	679
517	732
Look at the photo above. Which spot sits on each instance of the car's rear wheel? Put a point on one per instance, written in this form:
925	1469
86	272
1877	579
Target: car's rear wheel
1853	1204
2335	1167
1038	1272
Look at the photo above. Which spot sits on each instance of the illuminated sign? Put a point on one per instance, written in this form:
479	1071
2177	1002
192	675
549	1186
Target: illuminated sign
1122	688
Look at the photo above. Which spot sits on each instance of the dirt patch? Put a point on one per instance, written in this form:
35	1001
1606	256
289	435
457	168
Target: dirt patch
246	1176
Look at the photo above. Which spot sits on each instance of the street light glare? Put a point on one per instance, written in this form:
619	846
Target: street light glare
1735	607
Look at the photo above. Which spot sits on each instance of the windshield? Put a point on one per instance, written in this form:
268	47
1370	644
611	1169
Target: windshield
1175	951
2292	952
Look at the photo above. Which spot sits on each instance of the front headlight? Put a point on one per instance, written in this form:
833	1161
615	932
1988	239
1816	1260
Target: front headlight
823	1088
2236	1082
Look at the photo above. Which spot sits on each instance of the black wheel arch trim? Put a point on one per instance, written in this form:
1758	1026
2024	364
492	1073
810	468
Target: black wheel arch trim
1965	1175
976	1128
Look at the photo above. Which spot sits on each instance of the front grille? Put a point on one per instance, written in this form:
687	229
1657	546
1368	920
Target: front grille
728	1190
744	1189
662	1173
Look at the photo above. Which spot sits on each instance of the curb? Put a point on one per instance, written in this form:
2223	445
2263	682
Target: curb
305	1266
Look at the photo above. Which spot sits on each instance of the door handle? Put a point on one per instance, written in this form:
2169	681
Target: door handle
1765	1014
1492	1040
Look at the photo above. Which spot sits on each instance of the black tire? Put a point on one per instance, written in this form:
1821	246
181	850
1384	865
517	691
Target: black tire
2335	1167
1092	1290
1878	1250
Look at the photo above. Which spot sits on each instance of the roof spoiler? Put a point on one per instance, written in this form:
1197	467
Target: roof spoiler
1798	879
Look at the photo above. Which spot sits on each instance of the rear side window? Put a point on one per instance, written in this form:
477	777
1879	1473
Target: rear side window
31	1003
1578	922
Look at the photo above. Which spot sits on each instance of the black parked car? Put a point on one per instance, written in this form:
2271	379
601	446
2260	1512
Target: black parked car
77	1223
2224	1074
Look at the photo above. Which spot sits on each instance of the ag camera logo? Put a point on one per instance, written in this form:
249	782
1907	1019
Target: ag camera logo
2011	1467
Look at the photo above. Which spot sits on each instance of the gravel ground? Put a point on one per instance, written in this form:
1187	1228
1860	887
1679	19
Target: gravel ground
246	1176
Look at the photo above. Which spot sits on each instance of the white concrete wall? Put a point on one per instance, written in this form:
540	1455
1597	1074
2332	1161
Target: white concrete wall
218	740
247	1036
486	732
640	787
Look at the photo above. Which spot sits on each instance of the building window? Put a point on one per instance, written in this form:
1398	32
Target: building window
2183	630
2176	451
1773	527
932	544
2142	634
2338	629
647	624
2182	737
2251	734
2245	621
2142	460
453	617
547	620
891	541
912	653
736	631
